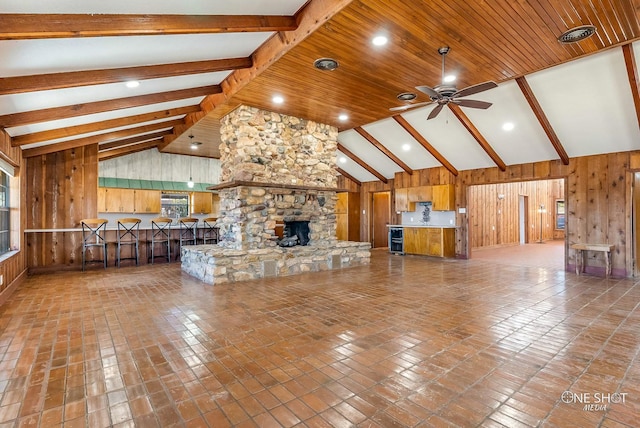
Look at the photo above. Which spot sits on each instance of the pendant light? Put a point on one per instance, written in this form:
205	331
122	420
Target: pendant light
190	183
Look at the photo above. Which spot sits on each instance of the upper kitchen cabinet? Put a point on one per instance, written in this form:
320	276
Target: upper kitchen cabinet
443	197
420	194
147	201
402	200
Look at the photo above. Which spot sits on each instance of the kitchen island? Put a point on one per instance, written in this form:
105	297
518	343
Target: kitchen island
436	241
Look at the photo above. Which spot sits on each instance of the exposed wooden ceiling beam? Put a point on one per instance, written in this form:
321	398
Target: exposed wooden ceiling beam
542	118
362	163
311	17
632	74
345	174
40	26
54	134
378	145
73	79
466	122
424	143
110	154
133	140
55	113
113	135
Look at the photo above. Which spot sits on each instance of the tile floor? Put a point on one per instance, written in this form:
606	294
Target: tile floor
406	341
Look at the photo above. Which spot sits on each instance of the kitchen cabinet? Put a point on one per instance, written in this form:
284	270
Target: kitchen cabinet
146	201
116	200
443	197
201	203
419	194
348	216
402	200
429	241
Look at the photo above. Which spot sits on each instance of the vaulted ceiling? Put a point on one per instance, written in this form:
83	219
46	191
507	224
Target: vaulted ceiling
64	66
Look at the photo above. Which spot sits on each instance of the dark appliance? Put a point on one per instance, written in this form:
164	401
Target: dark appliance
396	240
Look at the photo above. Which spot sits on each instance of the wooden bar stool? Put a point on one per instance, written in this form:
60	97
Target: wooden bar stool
210	231
161	234
128	235
93	235
188	231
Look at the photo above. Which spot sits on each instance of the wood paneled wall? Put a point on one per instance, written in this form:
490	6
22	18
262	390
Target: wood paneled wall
494	211
598	202
61	190
13	269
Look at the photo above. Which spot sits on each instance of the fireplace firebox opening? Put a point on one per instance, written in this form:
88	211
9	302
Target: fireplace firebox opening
295	233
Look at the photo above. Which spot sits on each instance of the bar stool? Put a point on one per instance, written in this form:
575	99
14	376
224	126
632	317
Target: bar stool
128	235
93	235
161	234
210	230
188	232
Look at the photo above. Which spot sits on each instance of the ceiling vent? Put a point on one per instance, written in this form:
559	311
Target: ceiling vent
577	34
325	64
407	96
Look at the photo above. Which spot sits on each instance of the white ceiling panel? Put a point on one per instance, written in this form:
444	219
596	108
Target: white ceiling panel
391	135
26	57
527	141
98	117
589	104
373	157
182	7
447	135
353	169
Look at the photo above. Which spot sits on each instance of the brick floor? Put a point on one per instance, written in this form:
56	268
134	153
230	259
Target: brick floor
406	341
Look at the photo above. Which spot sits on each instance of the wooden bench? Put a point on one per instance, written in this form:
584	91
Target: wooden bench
580	255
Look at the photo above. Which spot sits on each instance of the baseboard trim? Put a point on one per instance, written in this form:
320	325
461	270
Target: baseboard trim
7	292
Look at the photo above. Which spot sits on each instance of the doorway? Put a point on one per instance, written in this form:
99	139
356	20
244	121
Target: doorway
522	214
380	216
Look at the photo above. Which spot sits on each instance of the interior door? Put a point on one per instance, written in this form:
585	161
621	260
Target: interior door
381	213
523	217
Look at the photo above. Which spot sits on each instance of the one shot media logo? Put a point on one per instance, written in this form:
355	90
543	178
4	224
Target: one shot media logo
594	401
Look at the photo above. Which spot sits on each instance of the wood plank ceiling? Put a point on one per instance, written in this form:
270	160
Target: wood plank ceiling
63	70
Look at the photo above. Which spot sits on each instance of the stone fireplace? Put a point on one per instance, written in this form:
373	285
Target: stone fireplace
275	169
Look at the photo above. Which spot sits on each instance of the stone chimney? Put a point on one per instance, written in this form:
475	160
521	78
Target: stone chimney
275	168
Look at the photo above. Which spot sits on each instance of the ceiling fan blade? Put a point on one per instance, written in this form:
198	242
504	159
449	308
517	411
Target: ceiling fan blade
473	103
435	111
480	87
408	106
429	91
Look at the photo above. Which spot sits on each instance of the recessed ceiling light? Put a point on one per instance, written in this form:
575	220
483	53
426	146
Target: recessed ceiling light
325	64
406	147
379	40
342	159
406	96
577	34
343	117
195	145
449	78
508	126
132	84
278	99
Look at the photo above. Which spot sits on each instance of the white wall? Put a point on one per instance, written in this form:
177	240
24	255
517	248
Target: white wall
153	165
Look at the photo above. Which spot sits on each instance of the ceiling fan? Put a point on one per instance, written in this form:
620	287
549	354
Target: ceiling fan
444	94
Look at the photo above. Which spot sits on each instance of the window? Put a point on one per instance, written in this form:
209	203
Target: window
5	232
175	205
560	215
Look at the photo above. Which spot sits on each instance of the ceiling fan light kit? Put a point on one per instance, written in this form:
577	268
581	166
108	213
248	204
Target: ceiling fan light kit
444	94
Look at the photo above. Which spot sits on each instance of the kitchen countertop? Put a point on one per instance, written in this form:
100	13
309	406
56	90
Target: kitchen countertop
444	226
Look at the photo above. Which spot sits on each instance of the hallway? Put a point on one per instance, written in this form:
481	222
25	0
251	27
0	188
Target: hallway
406	341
